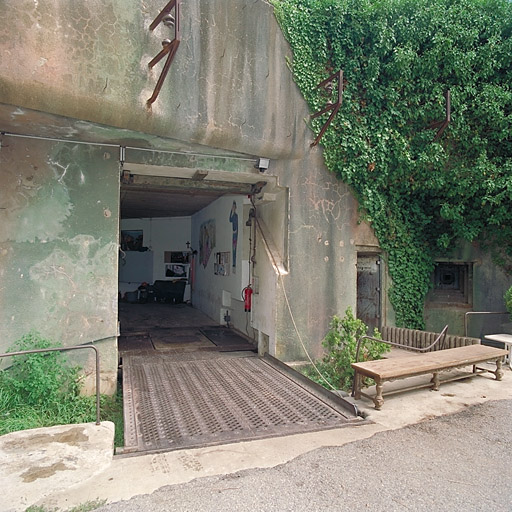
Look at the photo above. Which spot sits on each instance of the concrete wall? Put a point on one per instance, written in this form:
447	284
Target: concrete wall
229	88
212	293
58	246
488	287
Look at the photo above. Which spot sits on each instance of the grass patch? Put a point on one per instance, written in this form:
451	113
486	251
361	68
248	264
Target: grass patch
83	507
43	390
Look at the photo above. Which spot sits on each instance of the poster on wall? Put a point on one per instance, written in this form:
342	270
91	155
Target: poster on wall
221	265
233	219
132	240
206	241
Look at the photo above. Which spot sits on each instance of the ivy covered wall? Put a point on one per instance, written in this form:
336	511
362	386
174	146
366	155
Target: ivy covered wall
422	192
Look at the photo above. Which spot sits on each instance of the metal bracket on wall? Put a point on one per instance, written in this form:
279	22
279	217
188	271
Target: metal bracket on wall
169	47
443	124
328	85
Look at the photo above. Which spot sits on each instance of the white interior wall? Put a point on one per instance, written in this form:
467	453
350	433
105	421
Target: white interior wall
159	235
215	294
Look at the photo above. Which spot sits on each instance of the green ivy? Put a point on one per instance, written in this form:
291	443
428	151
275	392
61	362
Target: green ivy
341	344
508	301
398	58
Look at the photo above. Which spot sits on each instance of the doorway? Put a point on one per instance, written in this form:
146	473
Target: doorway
369	290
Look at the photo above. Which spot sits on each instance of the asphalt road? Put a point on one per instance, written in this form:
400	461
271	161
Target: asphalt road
461	462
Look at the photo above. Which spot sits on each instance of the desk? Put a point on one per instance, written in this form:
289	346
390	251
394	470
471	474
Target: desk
507	340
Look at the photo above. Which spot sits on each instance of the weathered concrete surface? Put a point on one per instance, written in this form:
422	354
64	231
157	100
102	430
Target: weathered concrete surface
131	476
225	87
487	286
229	87
58	247
42	461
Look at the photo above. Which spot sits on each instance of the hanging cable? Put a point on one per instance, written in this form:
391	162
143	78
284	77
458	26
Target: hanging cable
281	281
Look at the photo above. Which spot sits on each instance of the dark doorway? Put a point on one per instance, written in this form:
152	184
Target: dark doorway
369	290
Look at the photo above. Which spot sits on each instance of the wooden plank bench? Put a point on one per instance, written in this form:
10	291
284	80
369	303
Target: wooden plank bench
384	370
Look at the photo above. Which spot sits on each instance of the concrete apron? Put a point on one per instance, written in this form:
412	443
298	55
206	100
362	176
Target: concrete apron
62	467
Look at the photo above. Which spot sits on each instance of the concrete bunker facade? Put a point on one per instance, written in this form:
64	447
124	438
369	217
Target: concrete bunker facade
80	142
79	138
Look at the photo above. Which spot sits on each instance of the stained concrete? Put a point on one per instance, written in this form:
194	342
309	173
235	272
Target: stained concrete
103	477
42	461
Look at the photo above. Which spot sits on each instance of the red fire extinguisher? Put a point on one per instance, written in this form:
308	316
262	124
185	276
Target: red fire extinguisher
247	296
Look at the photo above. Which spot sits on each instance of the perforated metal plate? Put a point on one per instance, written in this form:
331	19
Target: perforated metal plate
174	403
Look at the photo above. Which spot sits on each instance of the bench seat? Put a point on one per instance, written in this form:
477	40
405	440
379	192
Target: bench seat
384	370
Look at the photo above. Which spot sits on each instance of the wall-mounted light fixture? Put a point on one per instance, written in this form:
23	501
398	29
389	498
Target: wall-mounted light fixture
170	47
263	164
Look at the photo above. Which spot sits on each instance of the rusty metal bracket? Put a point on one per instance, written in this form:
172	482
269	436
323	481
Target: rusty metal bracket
443	124
169	47
328	85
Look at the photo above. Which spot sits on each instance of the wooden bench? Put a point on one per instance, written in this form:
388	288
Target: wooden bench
384	370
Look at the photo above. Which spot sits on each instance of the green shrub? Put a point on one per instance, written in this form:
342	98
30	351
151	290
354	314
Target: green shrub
508	301
42	390
341	344
40	379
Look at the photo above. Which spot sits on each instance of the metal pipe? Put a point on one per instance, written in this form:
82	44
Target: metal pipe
63	349
55	139
466	317
416	349
74	141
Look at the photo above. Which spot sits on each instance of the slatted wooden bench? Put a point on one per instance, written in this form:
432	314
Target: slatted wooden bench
384	370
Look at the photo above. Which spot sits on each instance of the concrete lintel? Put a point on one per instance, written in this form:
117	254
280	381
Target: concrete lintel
182	184
190	173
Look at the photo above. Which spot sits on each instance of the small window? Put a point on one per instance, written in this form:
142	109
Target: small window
452	283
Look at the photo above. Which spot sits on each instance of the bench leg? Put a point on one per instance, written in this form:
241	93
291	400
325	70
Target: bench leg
499	371
357	385
378	400
435	381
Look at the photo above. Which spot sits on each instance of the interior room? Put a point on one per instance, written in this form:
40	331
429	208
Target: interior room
183	266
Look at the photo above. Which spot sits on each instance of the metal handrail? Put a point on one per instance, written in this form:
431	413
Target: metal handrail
441	335
63	349
466	316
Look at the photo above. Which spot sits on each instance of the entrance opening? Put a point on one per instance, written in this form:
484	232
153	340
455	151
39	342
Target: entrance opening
184	267
369	290
181	254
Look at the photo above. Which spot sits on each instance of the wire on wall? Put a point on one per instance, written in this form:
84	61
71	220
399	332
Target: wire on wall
281	281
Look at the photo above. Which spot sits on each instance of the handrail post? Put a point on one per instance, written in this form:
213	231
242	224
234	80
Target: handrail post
466	317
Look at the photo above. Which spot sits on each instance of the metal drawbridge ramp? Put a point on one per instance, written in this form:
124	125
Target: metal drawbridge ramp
185	400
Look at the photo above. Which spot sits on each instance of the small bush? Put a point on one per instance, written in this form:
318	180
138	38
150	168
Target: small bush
42	390
341	343
40	379
508	301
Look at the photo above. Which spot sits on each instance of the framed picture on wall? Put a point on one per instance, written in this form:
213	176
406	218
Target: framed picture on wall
221	265
176	270
177	257
132	240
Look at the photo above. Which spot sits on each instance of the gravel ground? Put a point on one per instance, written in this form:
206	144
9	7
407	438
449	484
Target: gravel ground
461	462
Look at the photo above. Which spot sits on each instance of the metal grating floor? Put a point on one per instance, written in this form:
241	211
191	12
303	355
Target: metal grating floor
180	401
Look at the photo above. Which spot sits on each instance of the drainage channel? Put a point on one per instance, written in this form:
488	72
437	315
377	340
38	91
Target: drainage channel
191	400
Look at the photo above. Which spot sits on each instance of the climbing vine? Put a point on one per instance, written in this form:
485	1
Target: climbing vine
422	195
